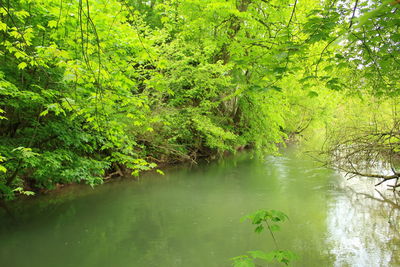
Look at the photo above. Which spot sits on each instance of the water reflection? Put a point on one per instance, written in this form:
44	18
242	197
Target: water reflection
191	217
363	224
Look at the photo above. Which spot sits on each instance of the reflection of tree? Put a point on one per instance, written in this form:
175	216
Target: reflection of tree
384	221
6	209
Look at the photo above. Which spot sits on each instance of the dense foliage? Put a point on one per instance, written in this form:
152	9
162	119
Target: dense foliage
92	87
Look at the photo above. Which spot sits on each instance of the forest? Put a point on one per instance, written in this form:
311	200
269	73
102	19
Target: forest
212	97
92	89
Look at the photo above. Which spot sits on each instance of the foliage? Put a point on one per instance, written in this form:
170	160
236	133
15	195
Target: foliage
269	219
89	87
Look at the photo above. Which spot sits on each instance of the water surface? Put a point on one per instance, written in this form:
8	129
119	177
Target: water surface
192	217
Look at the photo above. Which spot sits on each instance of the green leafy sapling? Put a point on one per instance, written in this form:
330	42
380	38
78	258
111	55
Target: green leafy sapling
266	219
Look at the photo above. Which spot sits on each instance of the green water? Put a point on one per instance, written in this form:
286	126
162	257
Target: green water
192	217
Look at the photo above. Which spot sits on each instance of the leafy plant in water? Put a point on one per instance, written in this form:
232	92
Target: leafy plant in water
265	219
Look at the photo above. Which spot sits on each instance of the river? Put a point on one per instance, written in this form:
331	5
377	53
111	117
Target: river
191	217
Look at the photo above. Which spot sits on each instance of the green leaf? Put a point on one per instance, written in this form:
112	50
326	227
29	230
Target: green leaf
52	24
22	14
312	94
160	172
274	227
3	26
258	254
334	84
44	113
28	193
259	229
19	54
276	88
22	65
18	189
3	169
